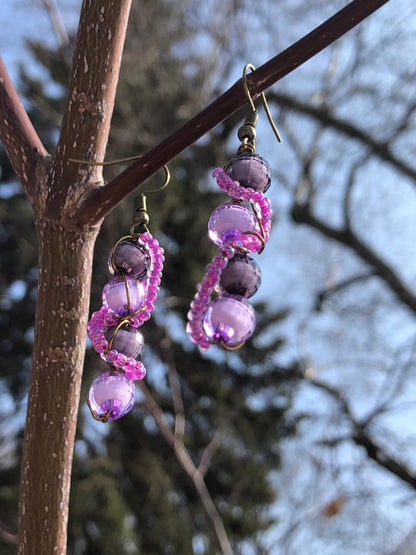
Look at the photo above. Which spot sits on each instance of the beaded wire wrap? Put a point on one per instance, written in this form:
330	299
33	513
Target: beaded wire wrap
105	318
112	394
251	241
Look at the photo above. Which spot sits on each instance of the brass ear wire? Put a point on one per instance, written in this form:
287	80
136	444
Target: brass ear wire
108	163
141	216
251	121
122	161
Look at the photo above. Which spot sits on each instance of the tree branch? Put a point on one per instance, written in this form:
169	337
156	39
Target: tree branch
56	22
87	117
301	213
321	114
103	199
190	469
361	437
22	143
175	387
5	533
324	293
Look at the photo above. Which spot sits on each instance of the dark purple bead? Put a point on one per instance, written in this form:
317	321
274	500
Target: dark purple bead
127	341
130	258
228	221
229	320
241	276
112	392
250	170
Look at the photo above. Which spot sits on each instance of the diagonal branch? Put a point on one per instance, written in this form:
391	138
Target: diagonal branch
102	200
301	213
194	473
22	143
175	387
361	437
325	293
321	114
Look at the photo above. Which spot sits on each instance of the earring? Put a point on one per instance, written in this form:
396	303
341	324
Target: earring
238	228
136	263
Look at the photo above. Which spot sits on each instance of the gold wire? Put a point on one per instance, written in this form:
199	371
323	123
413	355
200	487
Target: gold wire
126	284
255	234
125	320
122	161
108	163
263	97
227	348
103	418
113	250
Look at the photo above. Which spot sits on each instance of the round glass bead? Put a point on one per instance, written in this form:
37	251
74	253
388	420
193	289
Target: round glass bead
112	392
129	258
228	220
250	170
229	320
126	340
123	295
241	276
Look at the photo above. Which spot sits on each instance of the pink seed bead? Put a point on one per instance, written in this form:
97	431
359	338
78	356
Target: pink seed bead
120	360
111	356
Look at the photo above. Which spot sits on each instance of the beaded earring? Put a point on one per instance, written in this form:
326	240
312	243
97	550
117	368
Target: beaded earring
136	263
238	228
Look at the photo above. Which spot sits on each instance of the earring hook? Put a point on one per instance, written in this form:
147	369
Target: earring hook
122	161
164	185
263	97
141	216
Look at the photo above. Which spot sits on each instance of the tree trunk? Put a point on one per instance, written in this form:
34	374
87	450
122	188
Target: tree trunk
61	316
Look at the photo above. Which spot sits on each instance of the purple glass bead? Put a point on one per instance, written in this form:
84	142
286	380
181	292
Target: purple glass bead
250	170
129	258
112	392
229	320
127	341
123	295
241	276
228	220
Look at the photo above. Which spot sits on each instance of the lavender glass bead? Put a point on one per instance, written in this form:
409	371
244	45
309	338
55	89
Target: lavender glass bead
129	258
228	219
230	320
250	170
241	276
127	341
112	392
115	295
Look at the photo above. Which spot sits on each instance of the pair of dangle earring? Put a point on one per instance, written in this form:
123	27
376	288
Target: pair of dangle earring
239	227
136	263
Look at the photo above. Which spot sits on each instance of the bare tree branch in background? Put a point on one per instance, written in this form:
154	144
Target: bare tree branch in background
362	437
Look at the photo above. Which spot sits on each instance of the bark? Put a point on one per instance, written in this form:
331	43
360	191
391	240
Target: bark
65	262
24	148
61	317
